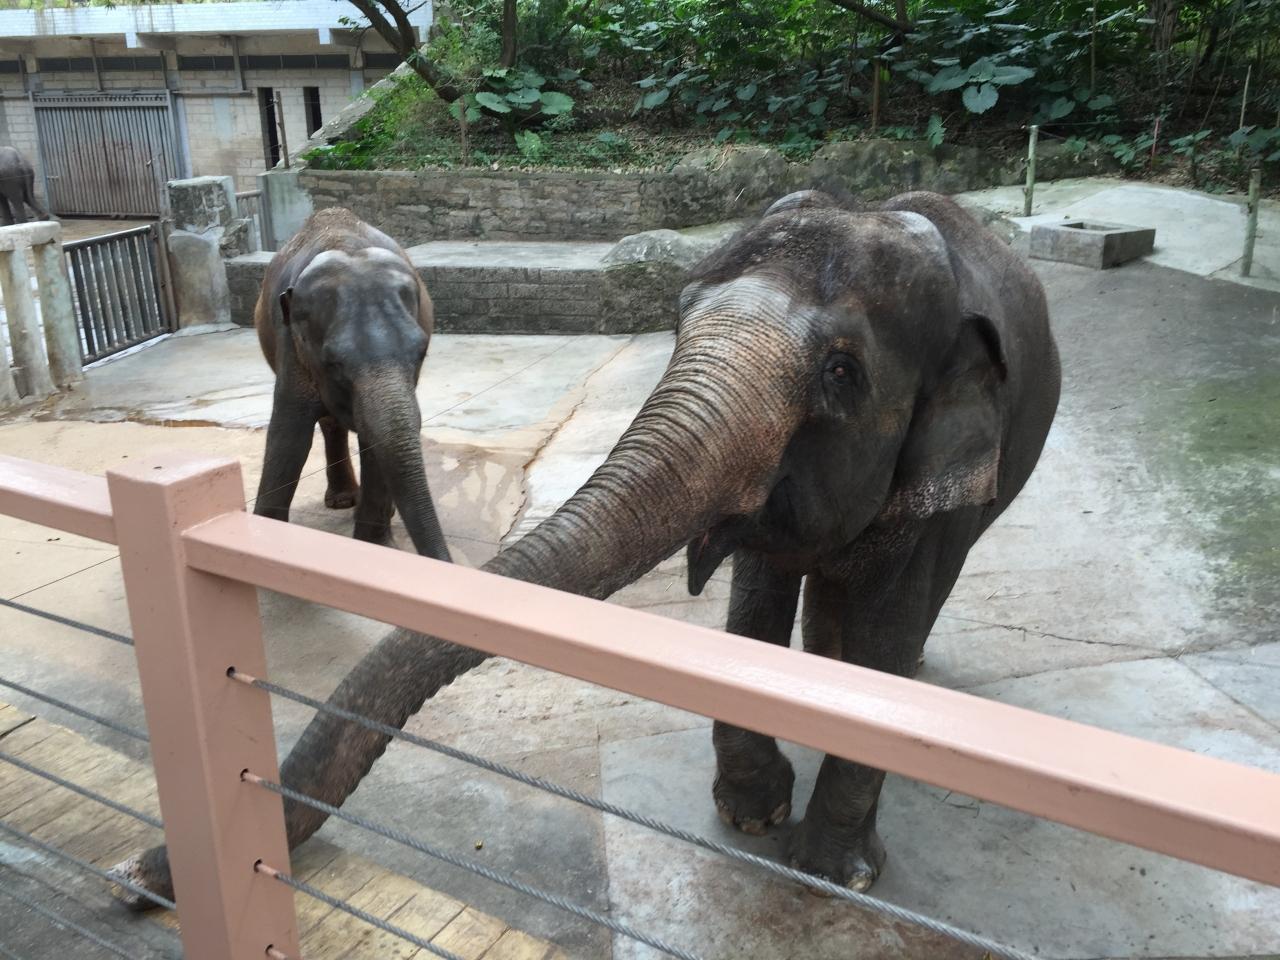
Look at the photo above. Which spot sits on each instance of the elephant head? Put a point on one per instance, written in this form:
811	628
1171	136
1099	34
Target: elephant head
835	375
360	322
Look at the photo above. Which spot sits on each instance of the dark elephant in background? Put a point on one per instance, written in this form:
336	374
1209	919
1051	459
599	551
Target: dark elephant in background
17	187
853	398
344	321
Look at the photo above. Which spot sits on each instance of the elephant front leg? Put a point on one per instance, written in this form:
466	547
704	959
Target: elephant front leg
376	504
289	436
342	489
6	212
753	782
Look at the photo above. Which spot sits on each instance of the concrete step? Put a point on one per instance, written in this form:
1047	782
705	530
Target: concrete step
631	286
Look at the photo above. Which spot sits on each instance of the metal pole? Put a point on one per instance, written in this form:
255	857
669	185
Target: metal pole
1028	192
1251	226
61	338
189	628
24	330
284	140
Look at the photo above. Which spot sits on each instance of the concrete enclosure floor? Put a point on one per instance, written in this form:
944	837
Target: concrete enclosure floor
1135	584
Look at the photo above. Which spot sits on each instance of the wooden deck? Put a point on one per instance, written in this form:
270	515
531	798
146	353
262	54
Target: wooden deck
86	829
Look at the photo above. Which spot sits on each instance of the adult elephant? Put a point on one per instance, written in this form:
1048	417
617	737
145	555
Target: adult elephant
852	400
17	187
344	321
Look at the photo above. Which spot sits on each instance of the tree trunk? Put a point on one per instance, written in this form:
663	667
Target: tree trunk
510	23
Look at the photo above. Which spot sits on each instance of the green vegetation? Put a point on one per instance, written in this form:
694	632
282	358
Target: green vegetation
1181	89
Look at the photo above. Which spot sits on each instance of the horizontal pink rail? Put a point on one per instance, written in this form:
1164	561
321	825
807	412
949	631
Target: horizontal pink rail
1198	808
55	497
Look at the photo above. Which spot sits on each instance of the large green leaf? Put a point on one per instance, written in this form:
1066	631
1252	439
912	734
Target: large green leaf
980	99
1060	108
1009	75
935	131
554	103
523	96
493	102
1101	101
655	98
949	78
746	91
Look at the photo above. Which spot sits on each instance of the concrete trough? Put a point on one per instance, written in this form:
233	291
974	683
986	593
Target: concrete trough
1091	243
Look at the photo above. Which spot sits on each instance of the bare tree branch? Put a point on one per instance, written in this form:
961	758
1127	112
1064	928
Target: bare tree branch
875	16
403	39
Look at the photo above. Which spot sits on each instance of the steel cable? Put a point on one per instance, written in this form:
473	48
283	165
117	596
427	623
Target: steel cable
91	868
471	865
384	925
873	904
83	791
66	924
128	731
67	621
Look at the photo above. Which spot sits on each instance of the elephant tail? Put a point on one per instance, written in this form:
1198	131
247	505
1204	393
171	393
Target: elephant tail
388	685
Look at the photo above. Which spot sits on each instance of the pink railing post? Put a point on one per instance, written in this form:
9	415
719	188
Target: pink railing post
189	628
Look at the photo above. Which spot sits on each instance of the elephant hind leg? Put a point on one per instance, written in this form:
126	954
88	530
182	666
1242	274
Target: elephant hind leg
753	782
29	198
342	490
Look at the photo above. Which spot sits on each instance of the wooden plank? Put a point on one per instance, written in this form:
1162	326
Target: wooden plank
518	945
11	718
342	935
41	744
468	935
101	775
341	878
402	901
86	829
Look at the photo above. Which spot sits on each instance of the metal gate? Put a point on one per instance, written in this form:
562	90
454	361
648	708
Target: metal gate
106	154
120	289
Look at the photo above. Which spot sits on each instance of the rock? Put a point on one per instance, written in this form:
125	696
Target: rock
643	276
655	246
1056	160
199	279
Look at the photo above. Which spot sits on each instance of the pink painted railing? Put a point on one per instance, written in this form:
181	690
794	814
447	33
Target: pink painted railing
192	557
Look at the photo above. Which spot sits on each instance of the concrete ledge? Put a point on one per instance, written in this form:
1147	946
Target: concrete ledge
19	236
541	287
1090	243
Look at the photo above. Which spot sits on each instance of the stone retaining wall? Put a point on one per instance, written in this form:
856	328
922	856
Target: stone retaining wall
630	287
706	187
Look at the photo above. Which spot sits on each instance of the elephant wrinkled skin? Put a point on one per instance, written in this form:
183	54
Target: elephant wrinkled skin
853	398
344	321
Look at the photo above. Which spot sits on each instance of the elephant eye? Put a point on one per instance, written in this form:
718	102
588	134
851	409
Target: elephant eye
842	370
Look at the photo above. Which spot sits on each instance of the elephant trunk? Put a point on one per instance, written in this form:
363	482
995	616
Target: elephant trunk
389	426
701	447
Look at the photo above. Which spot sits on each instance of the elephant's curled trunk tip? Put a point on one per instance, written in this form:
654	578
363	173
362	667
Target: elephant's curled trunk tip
147	871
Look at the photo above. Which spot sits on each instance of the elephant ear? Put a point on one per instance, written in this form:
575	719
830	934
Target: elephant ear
951	457
286	306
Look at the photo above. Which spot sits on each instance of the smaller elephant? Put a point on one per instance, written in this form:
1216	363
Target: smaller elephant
17	187
344	321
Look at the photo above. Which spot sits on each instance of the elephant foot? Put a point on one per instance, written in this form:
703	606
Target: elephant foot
150	871
856	866
341	499
758	802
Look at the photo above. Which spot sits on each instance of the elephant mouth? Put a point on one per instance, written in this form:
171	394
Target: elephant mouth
707	551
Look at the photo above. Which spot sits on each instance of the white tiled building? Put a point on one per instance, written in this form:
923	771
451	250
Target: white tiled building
106	101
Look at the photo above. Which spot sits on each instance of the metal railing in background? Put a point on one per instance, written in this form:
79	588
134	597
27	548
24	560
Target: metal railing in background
193	559
249	206
120	288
